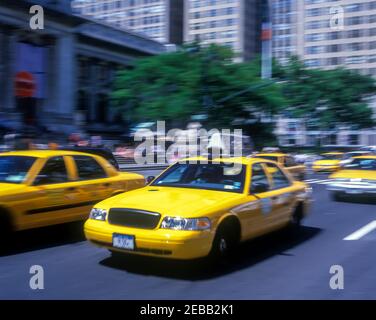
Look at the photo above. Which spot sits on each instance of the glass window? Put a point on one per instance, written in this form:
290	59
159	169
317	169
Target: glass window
279	178
88	168
362	164
212	176
54	171
290	162
13	169
259	178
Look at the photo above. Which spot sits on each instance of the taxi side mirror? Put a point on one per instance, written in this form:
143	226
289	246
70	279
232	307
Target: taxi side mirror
259	188
149	179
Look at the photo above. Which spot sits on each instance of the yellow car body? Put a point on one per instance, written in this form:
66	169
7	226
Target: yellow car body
251	214
328	165
296	170
38	196
357	178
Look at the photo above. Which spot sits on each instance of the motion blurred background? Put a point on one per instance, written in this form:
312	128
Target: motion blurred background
294	74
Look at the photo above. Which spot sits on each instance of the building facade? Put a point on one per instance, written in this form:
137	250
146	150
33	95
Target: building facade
73	63
325	34
161	20
235	23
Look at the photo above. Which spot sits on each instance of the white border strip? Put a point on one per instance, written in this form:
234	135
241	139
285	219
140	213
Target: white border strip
362	231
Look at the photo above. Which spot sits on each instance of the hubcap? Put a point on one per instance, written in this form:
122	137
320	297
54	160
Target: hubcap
222	245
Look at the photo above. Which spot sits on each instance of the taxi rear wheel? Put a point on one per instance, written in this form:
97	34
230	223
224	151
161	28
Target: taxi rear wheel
296	218
5	228
335	196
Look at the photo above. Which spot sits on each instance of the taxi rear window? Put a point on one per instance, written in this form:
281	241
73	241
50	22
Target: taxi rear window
13	169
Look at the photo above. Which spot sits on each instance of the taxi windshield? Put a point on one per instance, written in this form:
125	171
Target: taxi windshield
212	176
331	156
13	169
361	164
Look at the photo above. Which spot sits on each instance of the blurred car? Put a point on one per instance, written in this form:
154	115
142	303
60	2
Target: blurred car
348	156
356	179
45	187
296	170
199	207
371	149
329	162
102	152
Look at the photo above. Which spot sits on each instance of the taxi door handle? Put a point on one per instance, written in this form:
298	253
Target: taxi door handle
274	198
71	189
107	184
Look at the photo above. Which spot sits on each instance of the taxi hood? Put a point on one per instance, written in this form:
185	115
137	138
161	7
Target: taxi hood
355	174
172	201
327	162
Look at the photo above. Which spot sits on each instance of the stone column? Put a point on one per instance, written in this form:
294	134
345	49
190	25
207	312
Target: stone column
9	71
65	80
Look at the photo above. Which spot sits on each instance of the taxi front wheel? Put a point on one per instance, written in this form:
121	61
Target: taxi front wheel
225	241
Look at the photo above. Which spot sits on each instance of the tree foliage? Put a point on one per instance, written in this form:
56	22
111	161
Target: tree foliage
330	97
193	80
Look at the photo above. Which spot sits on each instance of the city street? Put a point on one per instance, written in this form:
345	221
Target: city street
277	266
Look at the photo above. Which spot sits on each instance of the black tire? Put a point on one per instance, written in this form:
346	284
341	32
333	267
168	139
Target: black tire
5	229
335	196
296	219
302	177
225	241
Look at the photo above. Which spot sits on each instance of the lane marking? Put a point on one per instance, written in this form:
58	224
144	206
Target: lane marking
362	231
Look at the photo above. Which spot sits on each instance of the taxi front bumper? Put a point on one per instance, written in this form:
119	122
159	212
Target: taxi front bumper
174	244
353	189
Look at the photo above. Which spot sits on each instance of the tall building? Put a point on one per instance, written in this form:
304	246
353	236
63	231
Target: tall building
286	21
235	23
70	68
325	34
161	20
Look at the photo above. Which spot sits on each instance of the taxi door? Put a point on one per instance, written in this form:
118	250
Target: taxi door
93	179
53	196
281	194
256	213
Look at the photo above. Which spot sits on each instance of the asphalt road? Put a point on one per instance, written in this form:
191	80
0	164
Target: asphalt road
277	266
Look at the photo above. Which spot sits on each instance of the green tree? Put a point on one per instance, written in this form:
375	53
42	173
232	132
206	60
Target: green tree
194	80
329	97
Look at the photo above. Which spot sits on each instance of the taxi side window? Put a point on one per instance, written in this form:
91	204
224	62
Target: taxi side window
259	179
290	162
88	168
54	171
280	180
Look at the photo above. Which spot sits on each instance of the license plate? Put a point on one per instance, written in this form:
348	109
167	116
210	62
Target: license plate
123	241
353	191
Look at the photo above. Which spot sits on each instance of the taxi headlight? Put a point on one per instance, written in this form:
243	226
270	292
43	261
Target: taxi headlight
98	214
178	223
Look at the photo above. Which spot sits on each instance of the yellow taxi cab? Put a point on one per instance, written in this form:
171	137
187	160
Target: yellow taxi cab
199	207
297	170
45	187
355	179
329	162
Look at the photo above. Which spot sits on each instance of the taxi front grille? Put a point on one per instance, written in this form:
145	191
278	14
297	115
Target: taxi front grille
133	218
